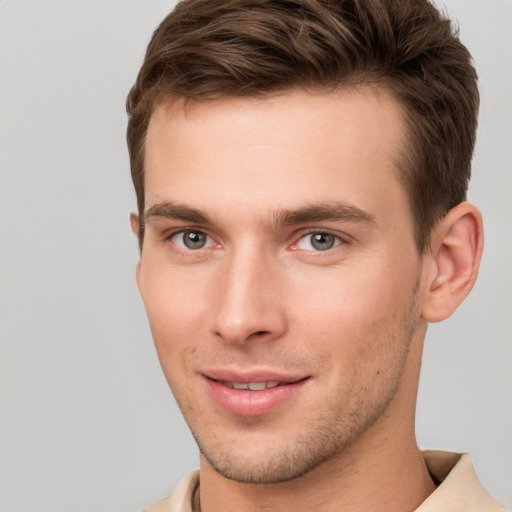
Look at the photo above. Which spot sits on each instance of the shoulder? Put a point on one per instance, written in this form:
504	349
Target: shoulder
181	498
459	489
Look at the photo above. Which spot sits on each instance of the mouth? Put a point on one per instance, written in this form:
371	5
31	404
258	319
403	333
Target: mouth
253	386
252	395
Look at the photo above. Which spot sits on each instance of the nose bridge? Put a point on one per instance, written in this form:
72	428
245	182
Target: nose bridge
246	304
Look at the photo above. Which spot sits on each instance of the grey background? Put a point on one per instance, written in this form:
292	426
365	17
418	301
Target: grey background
87	422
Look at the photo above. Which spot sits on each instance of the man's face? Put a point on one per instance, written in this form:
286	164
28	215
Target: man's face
279	256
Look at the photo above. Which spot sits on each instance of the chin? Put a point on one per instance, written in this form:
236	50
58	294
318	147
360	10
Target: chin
277	460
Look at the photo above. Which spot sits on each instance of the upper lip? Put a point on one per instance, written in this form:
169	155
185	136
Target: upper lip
252	375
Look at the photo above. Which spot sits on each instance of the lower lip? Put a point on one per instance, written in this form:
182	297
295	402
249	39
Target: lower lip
251	403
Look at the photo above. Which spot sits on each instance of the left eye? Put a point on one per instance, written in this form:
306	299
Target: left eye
192	240
318	241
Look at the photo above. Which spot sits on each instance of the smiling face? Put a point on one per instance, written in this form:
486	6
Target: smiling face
280	277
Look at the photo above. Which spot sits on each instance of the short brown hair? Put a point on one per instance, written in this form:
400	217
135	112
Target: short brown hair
207	49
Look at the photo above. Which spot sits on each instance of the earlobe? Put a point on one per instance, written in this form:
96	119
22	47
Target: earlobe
456	250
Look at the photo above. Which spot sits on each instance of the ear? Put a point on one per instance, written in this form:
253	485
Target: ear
134	223
456	250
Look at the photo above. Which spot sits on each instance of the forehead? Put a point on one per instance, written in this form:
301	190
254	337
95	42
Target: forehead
280	151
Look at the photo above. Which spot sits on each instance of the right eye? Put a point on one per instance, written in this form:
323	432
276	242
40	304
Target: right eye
319	241
192	240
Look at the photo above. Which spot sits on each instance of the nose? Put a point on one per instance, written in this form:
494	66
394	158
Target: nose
248	300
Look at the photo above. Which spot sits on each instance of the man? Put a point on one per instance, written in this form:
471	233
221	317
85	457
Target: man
301	170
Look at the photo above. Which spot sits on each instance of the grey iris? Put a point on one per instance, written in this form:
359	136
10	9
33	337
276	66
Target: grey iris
194	239
322	241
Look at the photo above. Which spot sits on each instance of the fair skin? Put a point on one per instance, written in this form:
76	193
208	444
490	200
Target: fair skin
279	255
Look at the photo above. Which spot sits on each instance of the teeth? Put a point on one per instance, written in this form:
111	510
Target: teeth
252	386
257	386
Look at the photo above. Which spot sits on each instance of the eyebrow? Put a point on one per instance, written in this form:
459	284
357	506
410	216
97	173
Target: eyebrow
176	211
324	211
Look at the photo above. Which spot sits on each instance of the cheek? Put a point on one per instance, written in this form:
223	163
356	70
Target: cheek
360	321
175	309
355	299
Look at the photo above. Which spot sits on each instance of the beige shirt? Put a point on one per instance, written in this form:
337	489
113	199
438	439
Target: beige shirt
459	489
